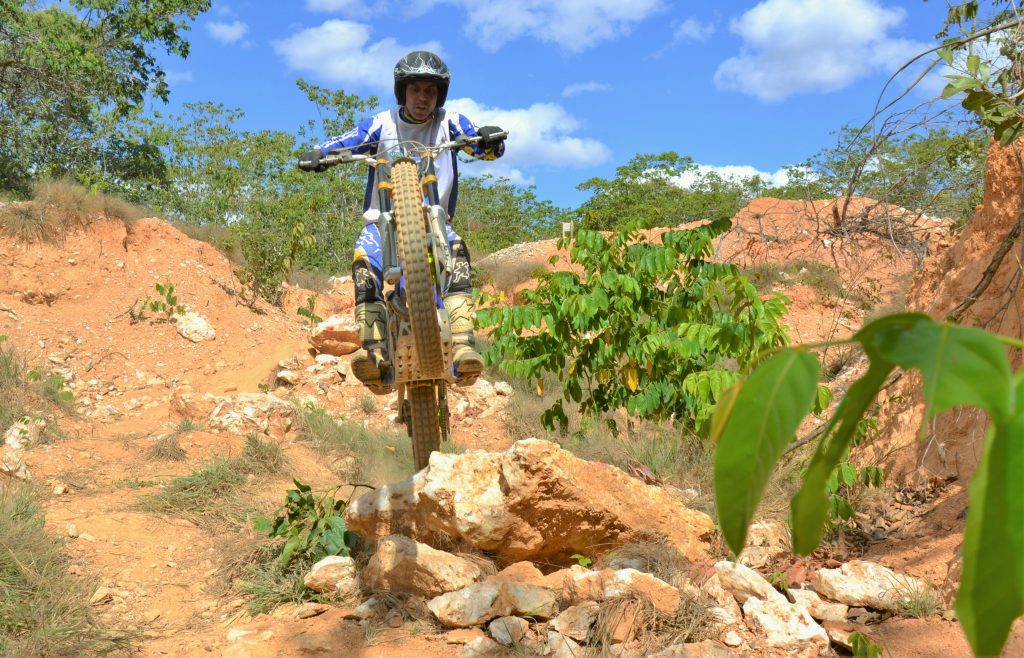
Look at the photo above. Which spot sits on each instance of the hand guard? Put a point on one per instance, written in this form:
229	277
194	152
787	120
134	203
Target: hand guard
490	136
310	161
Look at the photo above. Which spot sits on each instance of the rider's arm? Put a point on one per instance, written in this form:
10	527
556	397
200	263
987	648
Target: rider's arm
359	140
460	125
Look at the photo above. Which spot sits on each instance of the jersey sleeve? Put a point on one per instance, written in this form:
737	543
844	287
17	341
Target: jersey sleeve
459	124
359	140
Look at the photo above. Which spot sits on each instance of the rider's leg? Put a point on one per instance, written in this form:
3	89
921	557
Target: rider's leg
458	301
369	310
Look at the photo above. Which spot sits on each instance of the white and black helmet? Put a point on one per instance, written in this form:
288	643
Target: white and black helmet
422	65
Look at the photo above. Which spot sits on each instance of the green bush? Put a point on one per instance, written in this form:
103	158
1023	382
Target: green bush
655	328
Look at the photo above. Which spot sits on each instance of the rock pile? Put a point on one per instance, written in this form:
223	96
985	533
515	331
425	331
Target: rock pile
533	508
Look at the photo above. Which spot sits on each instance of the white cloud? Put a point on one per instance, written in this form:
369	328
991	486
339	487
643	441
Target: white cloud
735	173
584	87
348	8
177	77
575	25
341	52
541	134
799	46
693	30
227	32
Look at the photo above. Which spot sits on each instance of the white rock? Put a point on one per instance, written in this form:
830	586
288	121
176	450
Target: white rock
289	377
194	327
727	610
503	388
867	584
786	627
743	582
576	620
508	631
560	646
334	573
13	465
818	608
404	565
481	602
23	433
483	647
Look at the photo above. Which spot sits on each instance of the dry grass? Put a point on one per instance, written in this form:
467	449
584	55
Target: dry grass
220	238
655	556
44	611
59	207
28	392
651	629
354	451
312	281
167	448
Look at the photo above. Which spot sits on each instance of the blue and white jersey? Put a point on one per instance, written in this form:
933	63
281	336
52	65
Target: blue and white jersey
385	130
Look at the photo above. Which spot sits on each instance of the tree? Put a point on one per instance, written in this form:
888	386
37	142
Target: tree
653	328
650	188
67	72
495	213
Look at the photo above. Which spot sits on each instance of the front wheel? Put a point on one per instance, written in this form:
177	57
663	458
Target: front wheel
419	281
423	423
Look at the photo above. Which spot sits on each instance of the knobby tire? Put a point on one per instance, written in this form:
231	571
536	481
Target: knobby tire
425	429
419	282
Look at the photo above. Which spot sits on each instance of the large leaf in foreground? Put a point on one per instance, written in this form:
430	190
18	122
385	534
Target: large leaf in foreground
992	582
961	365
762	420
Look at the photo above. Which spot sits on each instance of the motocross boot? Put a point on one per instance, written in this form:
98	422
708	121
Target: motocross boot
467	361
369	362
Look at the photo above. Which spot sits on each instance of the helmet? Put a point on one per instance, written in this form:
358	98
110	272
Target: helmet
422	65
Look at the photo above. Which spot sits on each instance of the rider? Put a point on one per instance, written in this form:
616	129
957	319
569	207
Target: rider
421	87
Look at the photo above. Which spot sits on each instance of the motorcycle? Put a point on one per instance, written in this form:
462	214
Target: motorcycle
417	266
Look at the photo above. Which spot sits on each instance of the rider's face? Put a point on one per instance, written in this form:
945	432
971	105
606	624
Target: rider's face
420	99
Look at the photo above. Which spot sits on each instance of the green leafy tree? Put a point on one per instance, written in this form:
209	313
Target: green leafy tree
649	327
649	188
68	70
495	213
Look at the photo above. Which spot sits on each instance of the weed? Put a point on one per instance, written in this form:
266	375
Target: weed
314	527
134	483
29	393
167	448
186	425
59	207
358	452
918	600
651	628
367	404
261	457
44	611
309	311
168	304
318	282
581	559
863	647
840	360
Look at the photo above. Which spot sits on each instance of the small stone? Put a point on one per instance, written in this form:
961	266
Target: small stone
85	536
71	530
508	631
463	635
732	639
101	595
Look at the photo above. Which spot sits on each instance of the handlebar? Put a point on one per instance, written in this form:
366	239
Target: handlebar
345	156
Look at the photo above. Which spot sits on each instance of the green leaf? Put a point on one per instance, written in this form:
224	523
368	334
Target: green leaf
262	525
766	413
946	55
991	592
973	62
958	84
960	365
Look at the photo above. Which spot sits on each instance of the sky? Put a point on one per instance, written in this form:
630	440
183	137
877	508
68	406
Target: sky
581	85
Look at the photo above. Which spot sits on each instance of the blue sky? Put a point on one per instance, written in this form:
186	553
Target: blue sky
583	85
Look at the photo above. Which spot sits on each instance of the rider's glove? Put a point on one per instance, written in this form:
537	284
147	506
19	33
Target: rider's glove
490	136
310	161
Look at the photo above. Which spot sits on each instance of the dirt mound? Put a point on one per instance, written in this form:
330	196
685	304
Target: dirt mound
954	442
